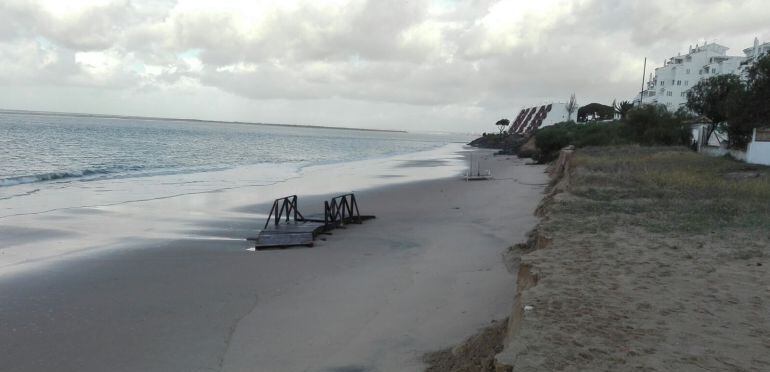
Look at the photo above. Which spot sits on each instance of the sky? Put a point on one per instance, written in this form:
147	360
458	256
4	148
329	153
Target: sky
442	65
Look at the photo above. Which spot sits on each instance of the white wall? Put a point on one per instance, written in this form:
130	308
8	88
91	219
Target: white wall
558	114
758	152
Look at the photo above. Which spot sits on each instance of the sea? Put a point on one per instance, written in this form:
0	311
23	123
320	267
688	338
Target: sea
47	148
77	183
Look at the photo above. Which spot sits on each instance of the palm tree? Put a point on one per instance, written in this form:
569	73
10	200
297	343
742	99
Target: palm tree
622	108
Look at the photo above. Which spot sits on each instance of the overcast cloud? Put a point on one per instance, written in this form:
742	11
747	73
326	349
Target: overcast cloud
417	65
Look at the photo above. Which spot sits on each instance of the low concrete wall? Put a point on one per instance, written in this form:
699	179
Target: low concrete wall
738	155
721	151
758	151
713	150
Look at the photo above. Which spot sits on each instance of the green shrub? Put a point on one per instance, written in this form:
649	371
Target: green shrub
554	138
653	125
648	125
599	134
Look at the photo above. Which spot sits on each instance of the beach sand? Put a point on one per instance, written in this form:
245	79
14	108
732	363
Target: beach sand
426	274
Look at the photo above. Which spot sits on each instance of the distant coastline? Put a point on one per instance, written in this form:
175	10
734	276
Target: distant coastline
83	115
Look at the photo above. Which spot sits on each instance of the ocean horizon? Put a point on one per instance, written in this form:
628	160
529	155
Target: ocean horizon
95	183
46	147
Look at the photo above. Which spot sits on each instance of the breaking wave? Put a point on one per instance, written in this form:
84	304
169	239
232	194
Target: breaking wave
56	176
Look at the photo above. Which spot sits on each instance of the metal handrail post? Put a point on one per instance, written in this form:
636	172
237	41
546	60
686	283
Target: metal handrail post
355	205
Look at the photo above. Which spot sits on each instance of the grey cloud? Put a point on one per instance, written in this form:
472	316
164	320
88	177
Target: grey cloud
360	52
92	28
95	28
16	17
370	30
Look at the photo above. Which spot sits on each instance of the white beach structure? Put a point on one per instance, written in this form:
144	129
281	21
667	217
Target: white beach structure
530	119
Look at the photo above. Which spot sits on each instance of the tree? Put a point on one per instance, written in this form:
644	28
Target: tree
759	91
622	108
502	123
571	107
596	111
654	125
714	98
751	108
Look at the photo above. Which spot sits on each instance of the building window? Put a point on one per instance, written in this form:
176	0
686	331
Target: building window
713	71
686	82
684	94
673	82
662	83
669	94
678	82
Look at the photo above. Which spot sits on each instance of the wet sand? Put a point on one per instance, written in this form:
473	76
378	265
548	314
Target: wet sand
424	275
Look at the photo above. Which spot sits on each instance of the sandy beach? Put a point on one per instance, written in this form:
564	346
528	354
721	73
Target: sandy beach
426	274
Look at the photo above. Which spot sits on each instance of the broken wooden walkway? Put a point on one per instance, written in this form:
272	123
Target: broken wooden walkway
287	227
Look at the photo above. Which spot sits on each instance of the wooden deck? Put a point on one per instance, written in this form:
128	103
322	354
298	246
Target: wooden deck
287	227
287	235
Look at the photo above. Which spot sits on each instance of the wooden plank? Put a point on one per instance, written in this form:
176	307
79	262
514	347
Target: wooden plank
315	217
284	240
293	227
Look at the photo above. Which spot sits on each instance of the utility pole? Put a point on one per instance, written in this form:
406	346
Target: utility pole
644	72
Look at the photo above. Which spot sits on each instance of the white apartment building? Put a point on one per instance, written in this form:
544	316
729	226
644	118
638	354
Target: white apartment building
756	52
669	84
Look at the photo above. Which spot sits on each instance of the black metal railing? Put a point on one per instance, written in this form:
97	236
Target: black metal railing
284	208
341	210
